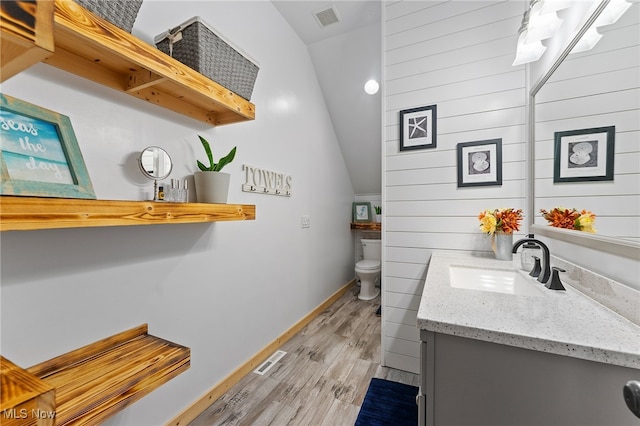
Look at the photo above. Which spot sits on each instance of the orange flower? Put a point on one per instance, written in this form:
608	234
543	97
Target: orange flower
560	217
505	220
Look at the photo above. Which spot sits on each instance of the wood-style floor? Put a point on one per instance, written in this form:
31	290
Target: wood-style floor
323	378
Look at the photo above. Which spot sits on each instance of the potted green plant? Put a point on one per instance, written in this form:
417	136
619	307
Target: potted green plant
378	210
212	186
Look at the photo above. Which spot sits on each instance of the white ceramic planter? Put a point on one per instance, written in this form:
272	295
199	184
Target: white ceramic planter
212	187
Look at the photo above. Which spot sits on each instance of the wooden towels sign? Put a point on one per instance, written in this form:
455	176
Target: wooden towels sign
266	181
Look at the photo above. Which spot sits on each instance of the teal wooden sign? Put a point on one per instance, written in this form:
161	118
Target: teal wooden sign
40	155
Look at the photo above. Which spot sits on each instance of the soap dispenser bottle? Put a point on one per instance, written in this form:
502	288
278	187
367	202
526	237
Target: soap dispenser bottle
529	250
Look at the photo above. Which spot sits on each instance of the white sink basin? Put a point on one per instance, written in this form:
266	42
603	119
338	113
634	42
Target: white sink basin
509	281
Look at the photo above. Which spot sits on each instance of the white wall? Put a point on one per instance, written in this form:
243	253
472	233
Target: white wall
458	56
225	289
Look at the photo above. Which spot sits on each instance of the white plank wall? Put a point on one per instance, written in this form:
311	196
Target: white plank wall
457	55
597	88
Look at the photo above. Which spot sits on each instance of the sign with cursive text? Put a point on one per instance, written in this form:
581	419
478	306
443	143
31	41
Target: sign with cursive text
39	153
32	150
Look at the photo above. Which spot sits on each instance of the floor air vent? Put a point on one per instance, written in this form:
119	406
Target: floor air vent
273	359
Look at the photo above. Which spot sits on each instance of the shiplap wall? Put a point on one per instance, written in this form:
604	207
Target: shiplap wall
597	88
456	55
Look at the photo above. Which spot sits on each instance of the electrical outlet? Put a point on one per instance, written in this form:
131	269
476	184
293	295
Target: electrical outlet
305	221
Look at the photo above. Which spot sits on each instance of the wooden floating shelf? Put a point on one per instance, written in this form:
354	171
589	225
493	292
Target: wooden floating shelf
93	48
31	213
367	226
24	398
98	380
25	42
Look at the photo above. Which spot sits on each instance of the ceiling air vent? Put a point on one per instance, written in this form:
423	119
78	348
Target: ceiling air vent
327	17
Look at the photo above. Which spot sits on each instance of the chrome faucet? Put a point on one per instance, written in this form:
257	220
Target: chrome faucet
546	272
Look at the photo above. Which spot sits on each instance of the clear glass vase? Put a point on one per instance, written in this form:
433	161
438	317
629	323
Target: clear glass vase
502	243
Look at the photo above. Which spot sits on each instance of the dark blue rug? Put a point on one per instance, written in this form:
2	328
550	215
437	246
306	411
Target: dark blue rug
388	404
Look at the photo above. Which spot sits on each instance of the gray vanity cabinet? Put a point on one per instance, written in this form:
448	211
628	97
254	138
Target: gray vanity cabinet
472	382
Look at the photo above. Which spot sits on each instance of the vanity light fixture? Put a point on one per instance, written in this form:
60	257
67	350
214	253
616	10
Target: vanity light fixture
527	52
611	13
371	87
542	25
614	11
555	5
587	41
538	23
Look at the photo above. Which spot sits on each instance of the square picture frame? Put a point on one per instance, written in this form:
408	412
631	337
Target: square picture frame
584	155
40	155
480	163
361	212
418	128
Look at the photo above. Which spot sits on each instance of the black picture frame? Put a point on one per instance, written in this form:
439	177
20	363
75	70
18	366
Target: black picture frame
584	155
418	128
40	155
480	163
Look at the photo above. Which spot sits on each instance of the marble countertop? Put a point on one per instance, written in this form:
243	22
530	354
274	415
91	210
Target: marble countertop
559	322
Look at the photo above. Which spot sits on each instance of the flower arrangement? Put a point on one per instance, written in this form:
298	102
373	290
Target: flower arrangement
500	220
561	217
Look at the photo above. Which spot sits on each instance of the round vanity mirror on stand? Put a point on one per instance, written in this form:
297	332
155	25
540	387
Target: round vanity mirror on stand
155	164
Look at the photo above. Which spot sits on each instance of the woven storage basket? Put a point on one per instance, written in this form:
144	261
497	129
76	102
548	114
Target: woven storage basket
121	13
198	46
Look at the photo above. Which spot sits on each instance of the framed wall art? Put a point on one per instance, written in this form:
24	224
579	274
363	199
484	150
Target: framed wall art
362	212
40	155
418	128
480	163
584	155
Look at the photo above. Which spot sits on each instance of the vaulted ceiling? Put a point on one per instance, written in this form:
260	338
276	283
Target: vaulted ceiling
346	54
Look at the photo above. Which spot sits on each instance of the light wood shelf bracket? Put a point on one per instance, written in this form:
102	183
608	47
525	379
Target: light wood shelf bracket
142	79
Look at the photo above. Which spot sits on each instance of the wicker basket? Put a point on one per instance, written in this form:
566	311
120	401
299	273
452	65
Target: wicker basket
199	47
121	13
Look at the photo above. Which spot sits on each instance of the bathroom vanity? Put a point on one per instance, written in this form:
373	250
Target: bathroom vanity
498	348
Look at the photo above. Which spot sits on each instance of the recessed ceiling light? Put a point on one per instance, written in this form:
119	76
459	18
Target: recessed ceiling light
371	87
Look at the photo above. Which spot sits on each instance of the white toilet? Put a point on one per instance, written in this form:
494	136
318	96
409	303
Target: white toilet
368	269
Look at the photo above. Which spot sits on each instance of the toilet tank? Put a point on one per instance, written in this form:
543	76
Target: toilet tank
371	249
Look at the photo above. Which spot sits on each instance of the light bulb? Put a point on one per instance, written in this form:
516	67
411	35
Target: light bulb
371	87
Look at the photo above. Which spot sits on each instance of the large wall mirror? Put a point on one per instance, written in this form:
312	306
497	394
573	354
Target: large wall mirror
591	92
